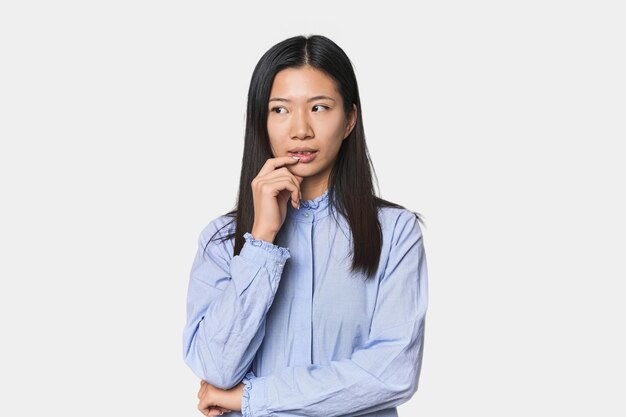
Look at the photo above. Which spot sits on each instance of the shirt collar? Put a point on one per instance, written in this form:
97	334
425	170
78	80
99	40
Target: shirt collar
310	210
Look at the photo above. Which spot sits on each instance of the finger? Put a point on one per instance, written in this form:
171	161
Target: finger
205	407
273	163
215	411
203	410
282	174
277	173
201	391
204	404
210	410
284	184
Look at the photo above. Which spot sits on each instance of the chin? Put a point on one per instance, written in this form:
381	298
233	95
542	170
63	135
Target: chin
302	171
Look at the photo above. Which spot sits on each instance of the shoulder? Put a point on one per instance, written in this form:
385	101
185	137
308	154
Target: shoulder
218	230
398	223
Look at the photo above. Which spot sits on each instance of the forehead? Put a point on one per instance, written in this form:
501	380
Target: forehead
302	82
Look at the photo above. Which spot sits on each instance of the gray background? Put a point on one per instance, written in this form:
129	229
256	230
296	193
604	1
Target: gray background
121	127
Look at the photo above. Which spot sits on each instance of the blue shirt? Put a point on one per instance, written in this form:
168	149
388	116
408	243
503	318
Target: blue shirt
304	334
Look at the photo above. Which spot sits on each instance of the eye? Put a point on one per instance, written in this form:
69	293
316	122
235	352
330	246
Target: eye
273	109
321	105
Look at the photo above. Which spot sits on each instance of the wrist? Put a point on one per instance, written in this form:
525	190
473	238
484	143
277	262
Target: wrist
231	399
263	235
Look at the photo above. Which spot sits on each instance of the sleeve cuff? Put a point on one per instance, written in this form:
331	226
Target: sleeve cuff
245	399
257	256
257	250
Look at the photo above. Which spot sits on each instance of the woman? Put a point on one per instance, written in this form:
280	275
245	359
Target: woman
309	298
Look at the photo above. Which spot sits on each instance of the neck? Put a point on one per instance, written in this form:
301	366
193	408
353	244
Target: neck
312	189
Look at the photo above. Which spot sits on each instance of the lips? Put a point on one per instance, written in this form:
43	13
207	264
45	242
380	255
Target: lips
302	149
305	156
302	153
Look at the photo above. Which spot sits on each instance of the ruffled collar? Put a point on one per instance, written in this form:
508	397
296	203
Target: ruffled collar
311	210
317	202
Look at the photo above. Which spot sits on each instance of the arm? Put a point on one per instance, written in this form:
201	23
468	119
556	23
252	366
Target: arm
227	301
383	372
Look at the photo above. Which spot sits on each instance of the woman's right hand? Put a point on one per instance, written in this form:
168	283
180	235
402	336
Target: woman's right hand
271	189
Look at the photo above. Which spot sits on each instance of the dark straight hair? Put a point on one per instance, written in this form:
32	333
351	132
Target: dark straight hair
351	187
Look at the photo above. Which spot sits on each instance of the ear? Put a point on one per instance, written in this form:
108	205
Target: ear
351	122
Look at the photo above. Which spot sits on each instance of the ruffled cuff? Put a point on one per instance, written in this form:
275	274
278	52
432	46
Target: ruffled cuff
258	254
245	400
275	250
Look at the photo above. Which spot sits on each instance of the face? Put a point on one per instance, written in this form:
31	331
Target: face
306	113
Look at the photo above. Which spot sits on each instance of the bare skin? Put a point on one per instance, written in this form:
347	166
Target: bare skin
271	189
305	109
215	401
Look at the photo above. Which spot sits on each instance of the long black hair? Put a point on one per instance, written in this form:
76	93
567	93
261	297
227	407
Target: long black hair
351	188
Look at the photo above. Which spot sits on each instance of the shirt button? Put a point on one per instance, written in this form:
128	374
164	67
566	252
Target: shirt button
306	214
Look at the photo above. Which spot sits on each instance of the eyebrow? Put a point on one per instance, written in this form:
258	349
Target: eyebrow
311	99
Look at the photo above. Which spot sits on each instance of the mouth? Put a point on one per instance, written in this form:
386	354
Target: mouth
305	156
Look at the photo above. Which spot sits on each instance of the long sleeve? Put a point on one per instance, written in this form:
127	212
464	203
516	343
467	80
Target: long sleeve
383	372
227	300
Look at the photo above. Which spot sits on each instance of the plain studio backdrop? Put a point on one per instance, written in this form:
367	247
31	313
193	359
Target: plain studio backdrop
121	127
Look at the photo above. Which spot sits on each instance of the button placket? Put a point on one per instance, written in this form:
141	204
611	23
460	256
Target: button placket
304	297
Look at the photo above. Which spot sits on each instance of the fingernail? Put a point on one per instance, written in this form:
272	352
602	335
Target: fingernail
296	157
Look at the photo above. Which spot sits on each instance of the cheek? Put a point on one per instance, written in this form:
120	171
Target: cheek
276	135
333	140
330	129
334	127
277	131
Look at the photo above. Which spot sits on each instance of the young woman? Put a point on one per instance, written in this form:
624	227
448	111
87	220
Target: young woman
309	298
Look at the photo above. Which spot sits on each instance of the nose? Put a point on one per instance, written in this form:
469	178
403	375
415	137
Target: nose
300	127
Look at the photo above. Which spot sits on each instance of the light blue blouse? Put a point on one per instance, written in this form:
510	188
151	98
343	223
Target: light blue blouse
307	336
